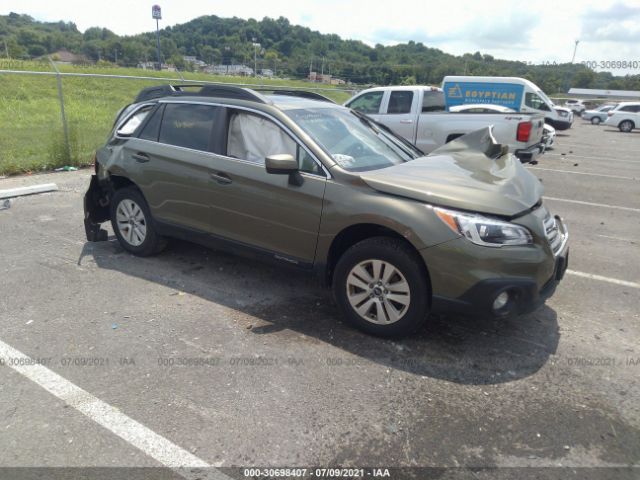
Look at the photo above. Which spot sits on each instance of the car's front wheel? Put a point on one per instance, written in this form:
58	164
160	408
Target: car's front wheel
626	126
381	287
595	120
132	223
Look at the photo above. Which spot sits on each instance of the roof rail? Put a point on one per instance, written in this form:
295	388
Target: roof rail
224	91
212	90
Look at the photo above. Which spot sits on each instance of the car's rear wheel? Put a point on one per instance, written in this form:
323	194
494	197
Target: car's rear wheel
626	126
381	287
132	223
595	120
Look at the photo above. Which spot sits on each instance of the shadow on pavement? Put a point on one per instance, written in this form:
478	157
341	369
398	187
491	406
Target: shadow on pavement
460	350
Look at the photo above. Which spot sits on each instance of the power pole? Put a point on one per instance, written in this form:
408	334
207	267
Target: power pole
256	46
575	48
6	49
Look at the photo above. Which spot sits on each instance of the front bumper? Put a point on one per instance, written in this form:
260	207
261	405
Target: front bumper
474	278
530	153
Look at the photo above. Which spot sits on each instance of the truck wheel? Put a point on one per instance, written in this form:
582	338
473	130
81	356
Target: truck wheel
132	223
380	287
595	120
626	126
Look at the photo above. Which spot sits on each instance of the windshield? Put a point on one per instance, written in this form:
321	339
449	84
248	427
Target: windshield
545	98
352	140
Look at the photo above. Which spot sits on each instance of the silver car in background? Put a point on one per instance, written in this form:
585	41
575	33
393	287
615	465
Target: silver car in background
598	115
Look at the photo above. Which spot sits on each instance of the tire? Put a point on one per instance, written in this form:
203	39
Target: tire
132	223
397	307
626	126
596	120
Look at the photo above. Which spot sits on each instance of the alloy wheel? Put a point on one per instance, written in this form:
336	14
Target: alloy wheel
378	291
131	222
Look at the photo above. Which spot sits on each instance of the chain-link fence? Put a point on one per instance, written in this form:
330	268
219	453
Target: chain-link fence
54	116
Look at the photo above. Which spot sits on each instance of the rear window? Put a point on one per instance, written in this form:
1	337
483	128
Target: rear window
400	102
187	126
152	128
432	101
132	124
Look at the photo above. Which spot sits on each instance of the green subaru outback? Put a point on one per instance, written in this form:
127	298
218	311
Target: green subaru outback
291	177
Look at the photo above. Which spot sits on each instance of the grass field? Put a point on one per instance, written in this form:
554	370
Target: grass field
31	134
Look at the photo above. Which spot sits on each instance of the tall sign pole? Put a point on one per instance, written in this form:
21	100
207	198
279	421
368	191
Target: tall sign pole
156	13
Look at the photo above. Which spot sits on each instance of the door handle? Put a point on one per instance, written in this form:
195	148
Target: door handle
221	178
406	122
141	157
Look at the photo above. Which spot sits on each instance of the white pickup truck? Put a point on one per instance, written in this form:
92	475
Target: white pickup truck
417	113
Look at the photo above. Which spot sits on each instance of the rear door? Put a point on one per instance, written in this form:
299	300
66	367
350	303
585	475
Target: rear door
429	120
399	113
172	161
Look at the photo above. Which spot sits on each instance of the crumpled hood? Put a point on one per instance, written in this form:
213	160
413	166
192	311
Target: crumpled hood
462	174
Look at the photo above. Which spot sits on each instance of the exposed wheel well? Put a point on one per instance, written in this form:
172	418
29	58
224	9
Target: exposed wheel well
119	182
356	233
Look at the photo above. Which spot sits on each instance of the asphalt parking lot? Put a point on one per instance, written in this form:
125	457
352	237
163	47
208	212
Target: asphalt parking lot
200	358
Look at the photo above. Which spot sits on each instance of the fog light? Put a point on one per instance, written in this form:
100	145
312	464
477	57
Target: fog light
501	300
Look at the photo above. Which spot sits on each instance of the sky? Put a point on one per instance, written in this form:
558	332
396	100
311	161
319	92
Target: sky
537	31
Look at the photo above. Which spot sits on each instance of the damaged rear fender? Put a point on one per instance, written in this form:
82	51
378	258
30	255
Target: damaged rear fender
96	209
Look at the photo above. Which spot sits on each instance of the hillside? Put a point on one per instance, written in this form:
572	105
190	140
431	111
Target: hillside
289	49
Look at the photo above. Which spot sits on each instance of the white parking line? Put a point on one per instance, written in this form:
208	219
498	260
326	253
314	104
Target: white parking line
592	204
572	156
615	281
156	446
620	177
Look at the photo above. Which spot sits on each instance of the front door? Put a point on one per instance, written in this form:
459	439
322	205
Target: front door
267	211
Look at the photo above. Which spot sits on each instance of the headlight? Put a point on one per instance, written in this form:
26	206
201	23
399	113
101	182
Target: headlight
484	231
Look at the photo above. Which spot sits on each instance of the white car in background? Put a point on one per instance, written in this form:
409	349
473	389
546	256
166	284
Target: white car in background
548	136
576	106
626	116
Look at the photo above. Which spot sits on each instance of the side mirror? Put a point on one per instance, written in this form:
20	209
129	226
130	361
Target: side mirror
283	164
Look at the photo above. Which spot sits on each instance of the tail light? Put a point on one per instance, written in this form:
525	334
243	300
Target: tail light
524	131
609	114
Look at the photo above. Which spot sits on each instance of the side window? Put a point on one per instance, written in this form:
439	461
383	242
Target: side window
307	163
185	125
253	138
131	125
367	103
152	129
400	102
432	101
534	101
